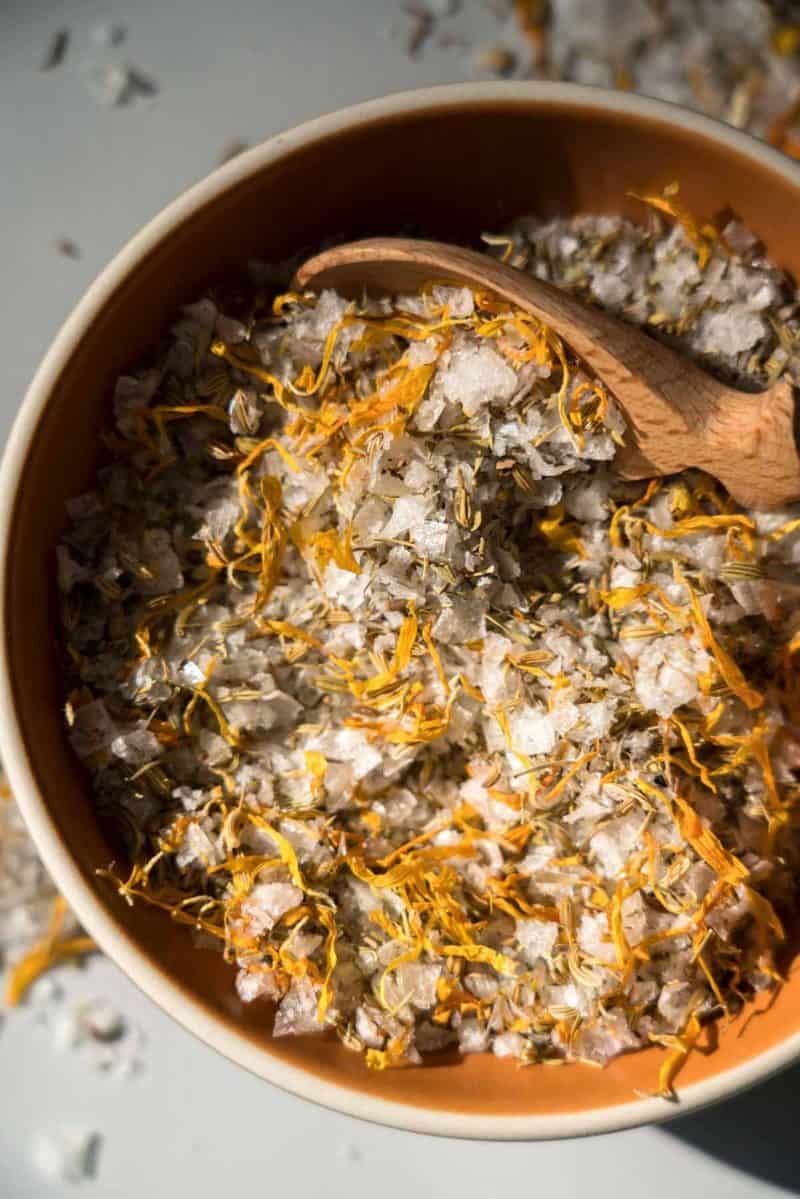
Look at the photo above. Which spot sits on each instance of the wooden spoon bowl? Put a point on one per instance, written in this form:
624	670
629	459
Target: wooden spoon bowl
678	415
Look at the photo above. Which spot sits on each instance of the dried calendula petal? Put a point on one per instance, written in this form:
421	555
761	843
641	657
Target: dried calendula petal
444	734
55	946
678	1046
701	237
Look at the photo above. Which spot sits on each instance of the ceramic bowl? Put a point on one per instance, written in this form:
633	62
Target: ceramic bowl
446	162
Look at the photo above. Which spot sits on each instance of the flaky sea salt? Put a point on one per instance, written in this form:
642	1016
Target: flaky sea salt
666	674
731	331
475	376
533	731
92	729
297	1012
267	902
611	846
67	1155
536	938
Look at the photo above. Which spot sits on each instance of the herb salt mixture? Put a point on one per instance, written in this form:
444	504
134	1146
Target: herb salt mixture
444	734
737	60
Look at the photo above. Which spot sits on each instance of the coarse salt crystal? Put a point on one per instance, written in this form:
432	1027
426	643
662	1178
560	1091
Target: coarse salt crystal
297	1012
67	1155
92	729
267	902
136	746
533	731
667	674
612	845
476	375
536	938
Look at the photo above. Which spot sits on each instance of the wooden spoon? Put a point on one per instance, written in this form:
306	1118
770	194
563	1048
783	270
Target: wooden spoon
678	415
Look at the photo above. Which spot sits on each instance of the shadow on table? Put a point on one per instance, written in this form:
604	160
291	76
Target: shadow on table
758	1132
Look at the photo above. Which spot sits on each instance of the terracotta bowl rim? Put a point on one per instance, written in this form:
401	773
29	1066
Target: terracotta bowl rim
113	940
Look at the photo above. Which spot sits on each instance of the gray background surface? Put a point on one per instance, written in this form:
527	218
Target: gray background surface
193	1124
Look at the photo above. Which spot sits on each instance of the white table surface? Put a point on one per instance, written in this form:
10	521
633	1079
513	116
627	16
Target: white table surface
192	1124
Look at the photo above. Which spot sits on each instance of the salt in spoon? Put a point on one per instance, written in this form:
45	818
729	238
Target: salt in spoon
678	415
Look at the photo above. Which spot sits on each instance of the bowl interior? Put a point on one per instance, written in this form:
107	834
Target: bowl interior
448	170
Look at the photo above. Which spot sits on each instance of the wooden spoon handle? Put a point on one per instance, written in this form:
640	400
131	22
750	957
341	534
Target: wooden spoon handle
678	415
